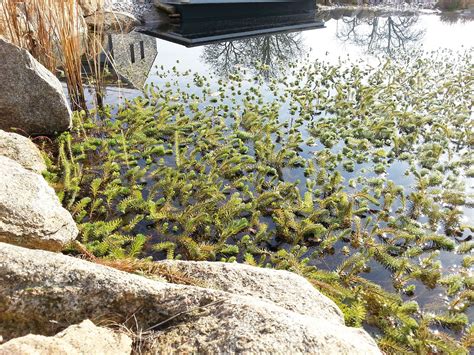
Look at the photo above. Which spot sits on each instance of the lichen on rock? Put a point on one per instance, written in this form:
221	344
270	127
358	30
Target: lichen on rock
21	150
30	212
41	291
31	98
84	338
284	288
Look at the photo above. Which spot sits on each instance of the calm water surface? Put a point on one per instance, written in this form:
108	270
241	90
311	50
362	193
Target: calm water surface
354	35
365	37
361	35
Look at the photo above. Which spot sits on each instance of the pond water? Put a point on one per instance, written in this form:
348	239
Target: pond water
355	35
365	37
359	35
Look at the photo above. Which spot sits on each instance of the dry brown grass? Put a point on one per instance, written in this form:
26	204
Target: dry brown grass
94	50
144	267
26	25
68	25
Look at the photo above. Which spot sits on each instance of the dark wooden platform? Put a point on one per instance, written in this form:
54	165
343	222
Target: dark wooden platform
207	9
197	33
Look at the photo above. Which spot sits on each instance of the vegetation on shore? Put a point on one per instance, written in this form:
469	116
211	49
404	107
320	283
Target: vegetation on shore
340	173
55	33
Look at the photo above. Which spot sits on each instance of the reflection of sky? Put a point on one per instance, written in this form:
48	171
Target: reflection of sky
446	35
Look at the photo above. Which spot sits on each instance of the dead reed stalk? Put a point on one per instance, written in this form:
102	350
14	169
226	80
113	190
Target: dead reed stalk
68	31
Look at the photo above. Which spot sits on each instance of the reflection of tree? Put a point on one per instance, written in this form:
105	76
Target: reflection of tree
273	52
455	17
387	35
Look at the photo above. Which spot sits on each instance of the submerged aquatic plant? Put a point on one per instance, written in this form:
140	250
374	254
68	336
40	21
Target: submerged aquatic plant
350	175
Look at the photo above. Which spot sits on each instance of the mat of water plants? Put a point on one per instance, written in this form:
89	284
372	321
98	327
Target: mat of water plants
357	176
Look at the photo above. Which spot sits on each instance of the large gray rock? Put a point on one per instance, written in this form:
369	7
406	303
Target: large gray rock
84	338
41	291
22	150
284	288
30	212
31	98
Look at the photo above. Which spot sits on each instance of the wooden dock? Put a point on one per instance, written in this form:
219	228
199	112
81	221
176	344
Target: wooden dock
198	33
197	10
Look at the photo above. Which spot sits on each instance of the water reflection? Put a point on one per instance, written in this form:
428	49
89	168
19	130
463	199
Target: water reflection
350	32
268	56
132	56
381	35
455	17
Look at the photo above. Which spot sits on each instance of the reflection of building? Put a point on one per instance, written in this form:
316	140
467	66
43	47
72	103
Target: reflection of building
217	30
131	56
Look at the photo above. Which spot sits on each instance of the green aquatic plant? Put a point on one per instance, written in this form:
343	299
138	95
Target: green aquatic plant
347	173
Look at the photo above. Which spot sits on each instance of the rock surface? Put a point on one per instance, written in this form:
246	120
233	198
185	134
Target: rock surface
30	212
90	6
21	150
40	291
84	338
112	21
284	288
31	98
134	7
